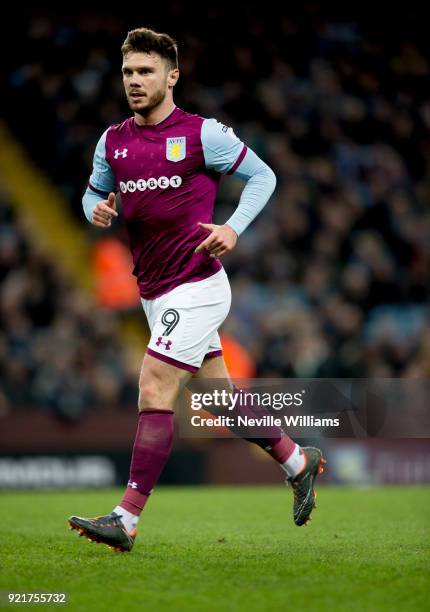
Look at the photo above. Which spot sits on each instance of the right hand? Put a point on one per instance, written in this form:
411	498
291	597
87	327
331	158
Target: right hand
104	211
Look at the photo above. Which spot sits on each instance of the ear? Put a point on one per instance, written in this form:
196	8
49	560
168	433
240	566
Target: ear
173	77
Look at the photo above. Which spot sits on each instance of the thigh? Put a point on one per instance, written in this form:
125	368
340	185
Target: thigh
159	384
213	367
212	377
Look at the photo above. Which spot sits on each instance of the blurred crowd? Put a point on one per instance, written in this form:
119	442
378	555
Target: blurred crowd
58	350
331	280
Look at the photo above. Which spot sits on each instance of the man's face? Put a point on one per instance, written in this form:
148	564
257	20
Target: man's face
145	77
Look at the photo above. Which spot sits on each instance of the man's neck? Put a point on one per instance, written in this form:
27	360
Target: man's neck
157	115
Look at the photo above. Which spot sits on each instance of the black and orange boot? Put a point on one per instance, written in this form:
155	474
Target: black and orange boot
303	485
107	530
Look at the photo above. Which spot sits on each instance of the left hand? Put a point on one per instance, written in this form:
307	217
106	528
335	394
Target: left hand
221	240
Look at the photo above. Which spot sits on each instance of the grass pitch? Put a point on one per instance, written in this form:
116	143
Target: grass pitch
207	549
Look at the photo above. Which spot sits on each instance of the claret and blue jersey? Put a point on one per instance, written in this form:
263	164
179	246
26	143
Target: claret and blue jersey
168	176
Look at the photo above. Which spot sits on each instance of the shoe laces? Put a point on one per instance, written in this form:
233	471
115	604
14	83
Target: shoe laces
108	518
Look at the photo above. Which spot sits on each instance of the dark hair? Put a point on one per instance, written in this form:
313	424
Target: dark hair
144	40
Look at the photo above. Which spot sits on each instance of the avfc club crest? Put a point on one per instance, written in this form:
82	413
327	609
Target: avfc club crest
175	148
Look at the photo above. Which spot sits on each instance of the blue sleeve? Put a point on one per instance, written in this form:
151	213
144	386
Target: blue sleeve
221	147
89	202
102	180
260	184
225	153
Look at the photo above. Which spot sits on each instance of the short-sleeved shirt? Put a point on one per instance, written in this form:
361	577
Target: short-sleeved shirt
168	175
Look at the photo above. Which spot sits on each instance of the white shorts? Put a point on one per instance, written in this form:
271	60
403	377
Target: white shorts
184	322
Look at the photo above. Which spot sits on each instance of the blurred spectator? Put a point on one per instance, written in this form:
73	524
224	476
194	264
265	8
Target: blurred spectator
58	350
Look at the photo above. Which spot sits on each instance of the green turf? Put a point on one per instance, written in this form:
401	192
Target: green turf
204	549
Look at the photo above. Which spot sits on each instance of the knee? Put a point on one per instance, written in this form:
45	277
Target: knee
149	394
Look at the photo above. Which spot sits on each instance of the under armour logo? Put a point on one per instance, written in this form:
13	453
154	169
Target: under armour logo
123	153
133	485
167	343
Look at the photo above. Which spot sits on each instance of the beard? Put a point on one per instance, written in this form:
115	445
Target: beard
148	104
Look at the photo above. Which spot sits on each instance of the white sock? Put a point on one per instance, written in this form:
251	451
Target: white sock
295	462
128	519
